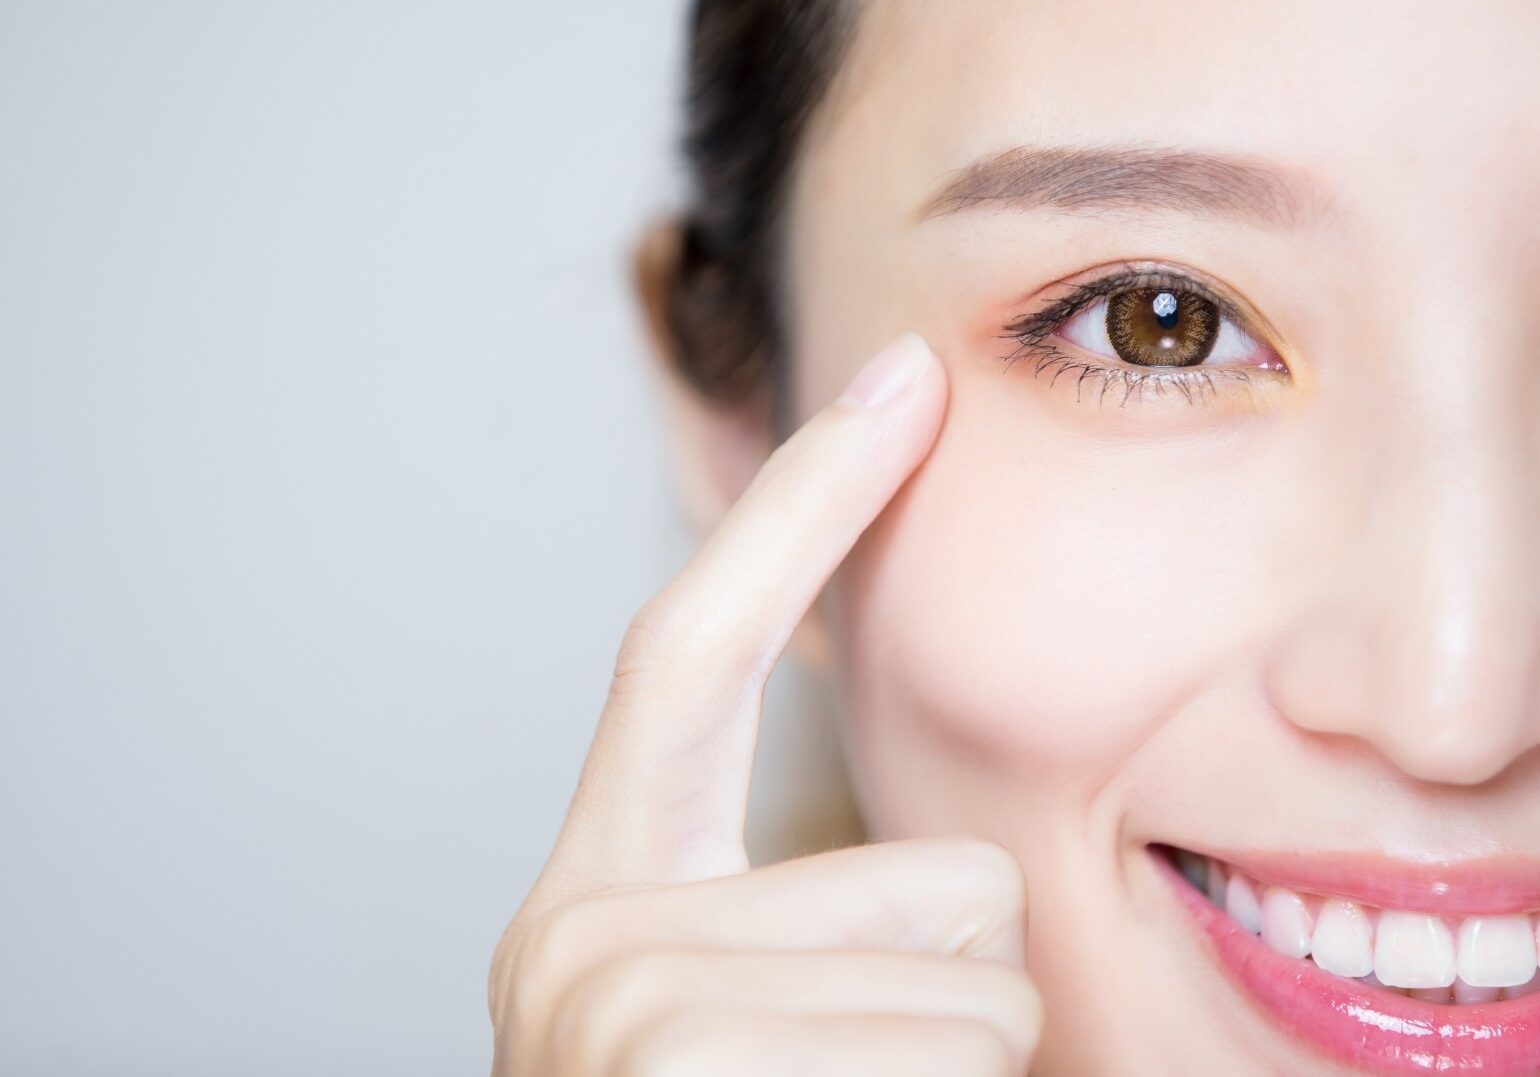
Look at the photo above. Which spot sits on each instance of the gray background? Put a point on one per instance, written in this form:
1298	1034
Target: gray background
329	476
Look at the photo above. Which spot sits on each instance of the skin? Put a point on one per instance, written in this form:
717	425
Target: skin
646	946
1305	618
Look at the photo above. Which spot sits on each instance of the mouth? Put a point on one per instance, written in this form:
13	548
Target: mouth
1384	966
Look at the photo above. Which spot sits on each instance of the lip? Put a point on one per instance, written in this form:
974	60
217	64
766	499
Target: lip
1491	887
1376	1031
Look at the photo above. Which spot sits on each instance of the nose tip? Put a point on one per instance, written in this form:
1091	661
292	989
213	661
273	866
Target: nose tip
1467	697
1445	698
1448	755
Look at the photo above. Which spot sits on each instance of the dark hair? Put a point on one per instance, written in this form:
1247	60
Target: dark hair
756	71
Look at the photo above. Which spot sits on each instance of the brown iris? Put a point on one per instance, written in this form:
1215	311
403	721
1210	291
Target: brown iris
1162	327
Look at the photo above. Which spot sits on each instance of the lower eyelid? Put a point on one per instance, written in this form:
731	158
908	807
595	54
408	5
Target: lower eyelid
1098	382
1103	381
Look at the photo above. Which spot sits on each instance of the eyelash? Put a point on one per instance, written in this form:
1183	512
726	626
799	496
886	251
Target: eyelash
1031	335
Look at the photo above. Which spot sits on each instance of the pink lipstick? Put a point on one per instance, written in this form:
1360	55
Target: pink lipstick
1370	1027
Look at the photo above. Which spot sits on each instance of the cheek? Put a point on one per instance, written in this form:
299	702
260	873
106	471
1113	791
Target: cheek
1042	601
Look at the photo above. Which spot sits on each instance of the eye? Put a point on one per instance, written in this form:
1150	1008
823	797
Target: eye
1164	327
1153	333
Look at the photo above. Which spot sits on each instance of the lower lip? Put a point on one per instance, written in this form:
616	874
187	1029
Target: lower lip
1375	1030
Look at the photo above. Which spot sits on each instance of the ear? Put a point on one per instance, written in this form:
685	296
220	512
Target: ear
715	447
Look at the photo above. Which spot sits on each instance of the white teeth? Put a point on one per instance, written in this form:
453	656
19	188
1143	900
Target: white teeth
1413	950
1344	939
1241	903
1496	951
1483	960
1285	922
1372	980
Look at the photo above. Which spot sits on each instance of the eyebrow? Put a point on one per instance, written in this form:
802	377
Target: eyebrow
1134	178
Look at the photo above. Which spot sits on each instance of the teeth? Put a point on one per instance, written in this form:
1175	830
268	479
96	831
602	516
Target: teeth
1344	939
1194	868
1372	980
1412	949
1285	922
1241	903
1496	951
1216	883
1483	960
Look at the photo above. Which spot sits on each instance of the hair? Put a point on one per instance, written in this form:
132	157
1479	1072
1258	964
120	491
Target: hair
757	70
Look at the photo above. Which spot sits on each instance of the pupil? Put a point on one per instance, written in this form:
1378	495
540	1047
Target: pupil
1165	310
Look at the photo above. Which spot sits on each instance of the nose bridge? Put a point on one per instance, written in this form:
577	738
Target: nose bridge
1427	644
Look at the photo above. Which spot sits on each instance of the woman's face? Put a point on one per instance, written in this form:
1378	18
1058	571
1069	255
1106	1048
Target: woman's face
1280	608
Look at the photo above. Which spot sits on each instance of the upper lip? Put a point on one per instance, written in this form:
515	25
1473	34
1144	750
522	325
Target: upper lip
1486	886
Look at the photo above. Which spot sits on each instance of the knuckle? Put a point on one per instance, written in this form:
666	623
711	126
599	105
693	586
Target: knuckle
970	1045
543	947
996	867
1024	999
633	975
545	956
676	1044
984	1050
659	642
1020	1007
500	973
985	883
645	643
603	1001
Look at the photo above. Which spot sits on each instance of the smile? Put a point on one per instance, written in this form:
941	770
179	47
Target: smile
1395	968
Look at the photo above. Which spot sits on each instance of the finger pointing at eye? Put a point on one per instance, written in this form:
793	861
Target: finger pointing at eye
663	791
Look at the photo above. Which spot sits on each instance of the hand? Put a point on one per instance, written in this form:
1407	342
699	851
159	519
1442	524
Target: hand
647	946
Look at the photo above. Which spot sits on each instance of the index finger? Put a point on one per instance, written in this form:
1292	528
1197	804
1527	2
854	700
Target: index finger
664	789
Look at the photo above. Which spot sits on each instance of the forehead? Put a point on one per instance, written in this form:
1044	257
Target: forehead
1389	99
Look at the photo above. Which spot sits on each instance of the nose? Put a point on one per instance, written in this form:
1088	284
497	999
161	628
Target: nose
1424	638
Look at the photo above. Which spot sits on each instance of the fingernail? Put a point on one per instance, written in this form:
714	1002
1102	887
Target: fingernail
888	373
